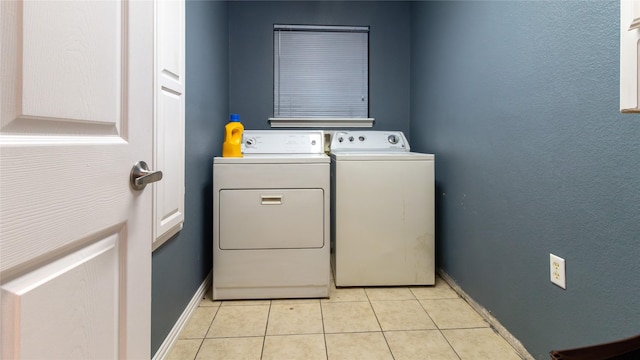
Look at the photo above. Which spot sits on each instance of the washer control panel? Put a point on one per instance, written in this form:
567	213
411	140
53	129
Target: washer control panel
369	140
282	142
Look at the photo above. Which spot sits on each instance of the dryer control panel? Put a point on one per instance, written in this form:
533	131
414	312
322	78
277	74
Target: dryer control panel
369	140
282	142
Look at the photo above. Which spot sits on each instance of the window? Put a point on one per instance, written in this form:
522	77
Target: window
629	56
320	76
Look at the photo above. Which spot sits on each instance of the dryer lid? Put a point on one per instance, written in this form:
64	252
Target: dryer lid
274	159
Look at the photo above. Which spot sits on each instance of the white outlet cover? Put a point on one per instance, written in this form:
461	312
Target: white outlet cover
557	271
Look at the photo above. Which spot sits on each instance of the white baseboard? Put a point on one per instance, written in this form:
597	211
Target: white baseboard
172	337
495	324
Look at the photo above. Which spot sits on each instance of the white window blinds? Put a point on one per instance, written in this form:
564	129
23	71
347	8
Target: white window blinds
320	71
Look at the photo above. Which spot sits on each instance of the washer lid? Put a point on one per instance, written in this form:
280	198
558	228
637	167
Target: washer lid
382	156
274	159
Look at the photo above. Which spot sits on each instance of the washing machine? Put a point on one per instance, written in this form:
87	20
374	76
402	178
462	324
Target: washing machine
271	218
382	216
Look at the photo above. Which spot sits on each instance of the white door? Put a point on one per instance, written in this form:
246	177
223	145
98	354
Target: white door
169	125
75	238
630	56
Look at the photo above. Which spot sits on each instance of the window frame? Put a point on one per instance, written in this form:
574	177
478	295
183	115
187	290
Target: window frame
318	121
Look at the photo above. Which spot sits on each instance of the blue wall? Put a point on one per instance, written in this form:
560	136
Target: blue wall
519	102
182	263
251	54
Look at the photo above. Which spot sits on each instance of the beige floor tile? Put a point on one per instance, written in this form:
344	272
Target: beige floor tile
349	317
184	349
245	302
422	344
294	319
294	347
402	315
199	322
345	294
441	290
246	348
389	293
356	346
480	344
235	321
295	301
453	314
208	299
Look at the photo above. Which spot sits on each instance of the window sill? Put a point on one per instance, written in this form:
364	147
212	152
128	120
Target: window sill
320	122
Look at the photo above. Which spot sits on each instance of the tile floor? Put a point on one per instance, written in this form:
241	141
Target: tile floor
430	322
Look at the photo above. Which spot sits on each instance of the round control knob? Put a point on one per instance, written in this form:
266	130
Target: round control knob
361	138
340	139
250	142
351	138
393	139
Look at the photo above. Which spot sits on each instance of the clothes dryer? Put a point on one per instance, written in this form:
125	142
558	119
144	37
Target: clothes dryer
271	218
382	219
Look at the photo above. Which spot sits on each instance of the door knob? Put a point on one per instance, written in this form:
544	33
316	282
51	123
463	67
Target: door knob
141	175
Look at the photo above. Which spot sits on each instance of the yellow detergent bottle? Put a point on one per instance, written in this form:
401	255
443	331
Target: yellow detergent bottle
231	147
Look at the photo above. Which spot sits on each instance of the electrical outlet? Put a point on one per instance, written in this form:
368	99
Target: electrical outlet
557	271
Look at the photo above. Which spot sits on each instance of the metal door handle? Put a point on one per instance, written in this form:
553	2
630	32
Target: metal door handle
141	175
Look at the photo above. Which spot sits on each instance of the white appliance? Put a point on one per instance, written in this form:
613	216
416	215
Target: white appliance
271	218
382	219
